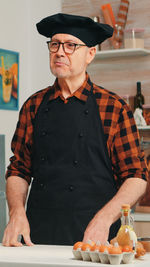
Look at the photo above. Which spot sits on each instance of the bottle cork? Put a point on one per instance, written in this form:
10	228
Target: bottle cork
126	209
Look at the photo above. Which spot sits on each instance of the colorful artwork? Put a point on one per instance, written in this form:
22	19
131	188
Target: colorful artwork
9	79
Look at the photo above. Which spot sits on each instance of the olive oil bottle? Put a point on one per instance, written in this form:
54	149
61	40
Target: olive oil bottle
139	98
126	234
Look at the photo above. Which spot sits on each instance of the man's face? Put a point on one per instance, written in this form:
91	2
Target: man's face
68	66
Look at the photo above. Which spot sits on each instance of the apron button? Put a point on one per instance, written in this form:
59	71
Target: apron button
86	111
43	158
43	133
46	110
75	162
81	134
71	188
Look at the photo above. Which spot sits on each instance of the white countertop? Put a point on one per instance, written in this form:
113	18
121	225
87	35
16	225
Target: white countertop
52	256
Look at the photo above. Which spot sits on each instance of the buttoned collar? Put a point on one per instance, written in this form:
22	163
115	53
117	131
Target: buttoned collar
81	93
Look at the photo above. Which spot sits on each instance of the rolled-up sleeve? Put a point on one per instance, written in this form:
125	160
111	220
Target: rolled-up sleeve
21	146
128	159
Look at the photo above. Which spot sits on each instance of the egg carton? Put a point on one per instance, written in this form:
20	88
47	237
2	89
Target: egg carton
104	257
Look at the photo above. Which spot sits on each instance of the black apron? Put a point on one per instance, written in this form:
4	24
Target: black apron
72	172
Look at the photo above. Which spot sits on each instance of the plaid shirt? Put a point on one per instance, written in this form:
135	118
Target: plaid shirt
120	132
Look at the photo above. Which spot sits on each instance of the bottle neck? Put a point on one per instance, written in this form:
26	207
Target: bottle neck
138	91
138	88
126	218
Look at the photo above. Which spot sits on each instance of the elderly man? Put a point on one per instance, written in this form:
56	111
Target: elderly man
78	142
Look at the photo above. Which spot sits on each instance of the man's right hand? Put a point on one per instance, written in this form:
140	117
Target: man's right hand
17	225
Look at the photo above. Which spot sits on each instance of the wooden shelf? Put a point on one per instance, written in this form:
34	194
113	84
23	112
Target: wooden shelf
121	53
139	210
143	127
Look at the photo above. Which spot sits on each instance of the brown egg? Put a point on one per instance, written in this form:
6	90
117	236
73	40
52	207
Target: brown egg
92	243
86	247
103	248
77	245
127	249
115	250
95	247
140	252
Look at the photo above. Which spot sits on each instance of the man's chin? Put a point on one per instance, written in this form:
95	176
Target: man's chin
59	75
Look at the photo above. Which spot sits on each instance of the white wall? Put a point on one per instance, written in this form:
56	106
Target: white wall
18	32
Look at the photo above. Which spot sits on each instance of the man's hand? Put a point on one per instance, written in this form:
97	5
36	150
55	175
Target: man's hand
17	225
97	229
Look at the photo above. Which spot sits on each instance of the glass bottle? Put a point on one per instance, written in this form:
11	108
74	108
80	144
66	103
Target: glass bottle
97	19
117	36
126	234
139	98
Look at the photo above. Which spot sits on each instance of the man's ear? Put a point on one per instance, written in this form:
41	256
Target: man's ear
91	54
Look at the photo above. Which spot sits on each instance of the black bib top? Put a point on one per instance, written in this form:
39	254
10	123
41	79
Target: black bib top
72	171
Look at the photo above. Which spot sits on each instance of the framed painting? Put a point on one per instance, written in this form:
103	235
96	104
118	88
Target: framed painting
9	79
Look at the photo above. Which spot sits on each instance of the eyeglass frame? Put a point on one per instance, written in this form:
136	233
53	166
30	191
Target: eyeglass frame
62	43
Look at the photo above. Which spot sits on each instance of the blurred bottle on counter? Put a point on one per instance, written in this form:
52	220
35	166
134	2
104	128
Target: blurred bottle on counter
126	235
139	98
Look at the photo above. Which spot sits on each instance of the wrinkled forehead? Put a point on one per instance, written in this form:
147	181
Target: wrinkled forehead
63	37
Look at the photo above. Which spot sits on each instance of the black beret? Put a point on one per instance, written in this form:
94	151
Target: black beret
84	28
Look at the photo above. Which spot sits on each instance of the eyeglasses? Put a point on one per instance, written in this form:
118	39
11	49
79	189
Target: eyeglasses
68	47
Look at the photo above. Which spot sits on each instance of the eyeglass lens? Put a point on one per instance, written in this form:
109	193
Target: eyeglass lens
68	47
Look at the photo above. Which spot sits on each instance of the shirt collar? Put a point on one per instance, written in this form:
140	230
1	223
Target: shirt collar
81	93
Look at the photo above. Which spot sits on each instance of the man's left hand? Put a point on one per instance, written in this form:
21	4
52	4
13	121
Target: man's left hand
97	230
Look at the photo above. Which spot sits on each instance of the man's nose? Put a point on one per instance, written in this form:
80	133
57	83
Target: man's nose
61	49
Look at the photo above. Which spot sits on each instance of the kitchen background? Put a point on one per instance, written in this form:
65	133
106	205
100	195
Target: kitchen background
118	74
121	73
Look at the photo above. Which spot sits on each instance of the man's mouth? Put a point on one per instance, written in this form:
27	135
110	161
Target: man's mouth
60	63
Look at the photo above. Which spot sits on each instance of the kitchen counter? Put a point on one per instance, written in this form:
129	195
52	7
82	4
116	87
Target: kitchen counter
141	217
52	256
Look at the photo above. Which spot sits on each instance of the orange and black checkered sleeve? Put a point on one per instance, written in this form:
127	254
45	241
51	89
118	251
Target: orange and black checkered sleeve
20	162
127	157
122	136
22	141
